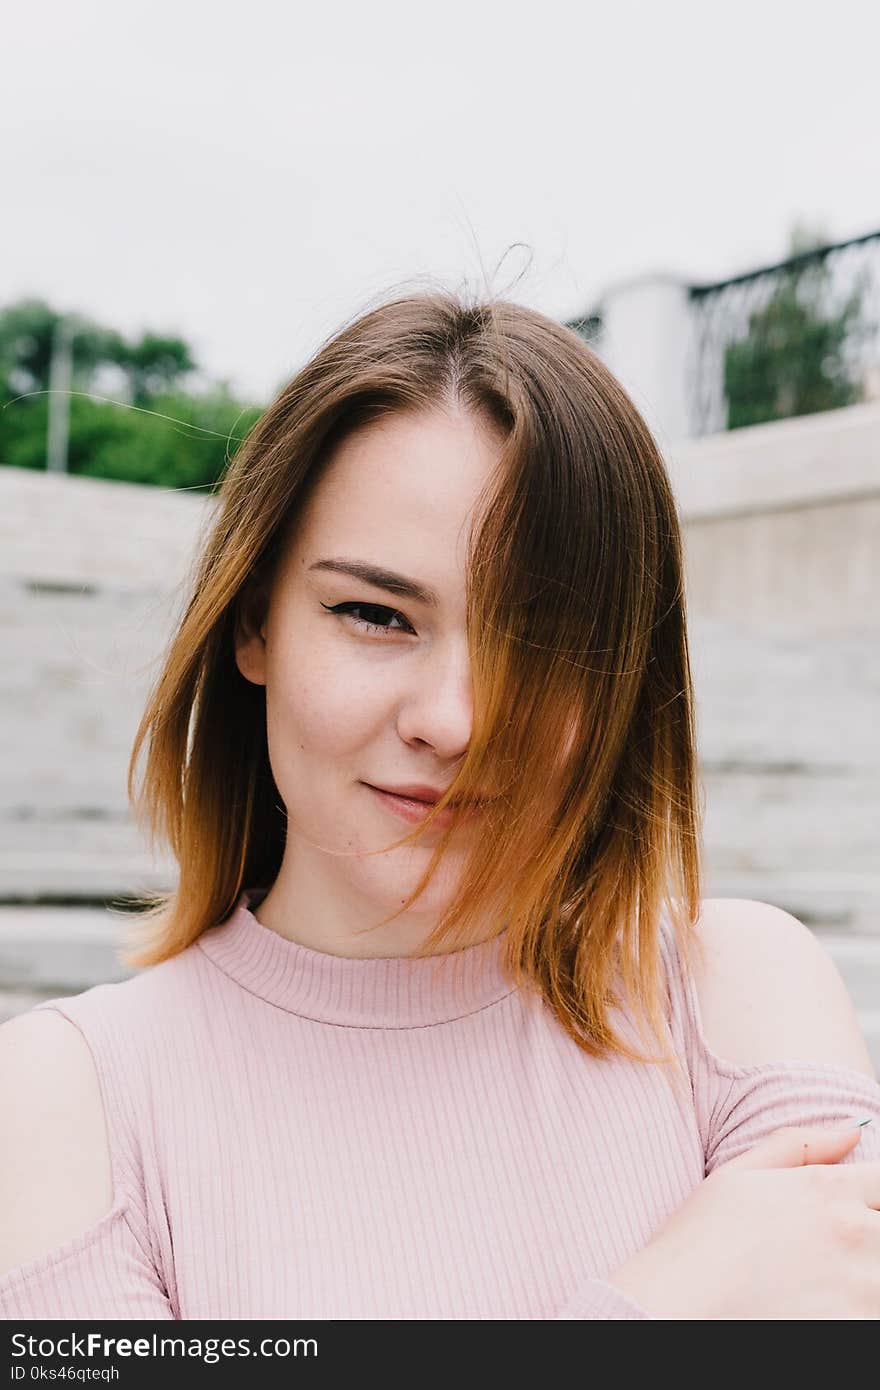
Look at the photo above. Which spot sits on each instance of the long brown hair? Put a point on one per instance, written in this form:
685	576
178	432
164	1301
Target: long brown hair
583	721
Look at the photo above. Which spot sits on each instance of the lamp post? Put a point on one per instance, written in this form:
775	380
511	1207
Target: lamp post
60	376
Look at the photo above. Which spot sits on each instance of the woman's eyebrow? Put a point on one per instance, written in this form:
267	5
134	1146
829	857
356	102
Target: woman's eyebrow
380	578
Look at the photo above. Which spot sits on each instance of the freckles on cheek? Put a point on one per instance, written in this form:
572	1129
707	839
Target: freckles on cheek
324	729
316	708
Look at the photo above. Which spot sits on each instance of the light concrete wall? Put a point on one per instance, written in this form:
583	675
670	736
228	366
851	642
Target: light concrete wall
810	569
92	577
783	523
782	543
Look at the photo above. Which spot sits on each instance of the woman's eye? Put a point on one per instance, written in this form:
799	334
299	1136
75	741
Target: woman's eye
378	618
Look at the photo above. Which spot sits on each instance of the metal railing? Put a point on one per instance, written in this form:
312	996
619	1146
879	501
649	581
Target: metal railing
789	339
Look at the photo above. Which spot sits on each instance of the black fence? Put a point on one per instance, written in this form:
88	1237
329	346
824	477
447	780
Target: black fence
799	336
790	339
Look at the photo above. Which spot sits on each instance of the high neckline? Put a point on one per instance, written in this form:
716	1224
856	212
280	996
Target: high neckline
355	992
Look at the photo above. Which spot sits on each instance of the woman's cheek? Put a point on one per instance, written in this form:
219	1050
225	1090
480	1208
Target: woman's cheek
333	703
335	710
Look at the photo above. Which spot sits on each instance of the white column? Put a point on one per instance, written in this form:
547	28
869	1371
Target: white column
647	341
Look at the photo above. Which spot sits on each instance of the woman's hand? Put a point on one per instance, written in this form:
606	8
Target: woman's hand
778	1232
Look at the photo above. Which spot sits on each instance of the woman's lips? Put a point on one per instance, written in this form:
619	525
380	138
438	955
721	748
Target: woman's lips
414	811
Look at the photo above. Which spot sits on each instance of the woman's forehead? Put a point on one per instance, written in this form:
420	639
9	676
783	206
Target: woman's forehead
410	483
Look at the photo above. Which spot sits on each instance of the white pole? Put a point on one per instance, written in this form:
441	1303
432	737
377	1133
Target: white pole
647	341
60	375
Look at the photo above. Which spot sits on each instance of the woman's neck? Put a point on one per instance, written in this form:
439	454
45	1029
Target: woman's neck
326	914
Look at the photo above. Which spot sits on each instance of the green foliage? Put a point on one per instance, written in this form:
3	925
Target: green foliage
179	442
184	442
793	359
154	365
160	434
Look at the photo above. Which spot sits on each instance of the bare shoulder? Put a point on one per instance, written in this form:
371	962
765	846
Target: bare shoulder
768	990
55	1173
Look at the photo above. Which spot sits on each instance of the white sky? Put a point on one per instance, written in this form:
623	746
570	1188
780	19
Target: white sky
250	175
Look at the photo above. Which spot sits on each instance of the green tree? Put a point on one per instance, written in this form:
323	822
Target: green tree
159	433
792	360
180	441
27	331
154	366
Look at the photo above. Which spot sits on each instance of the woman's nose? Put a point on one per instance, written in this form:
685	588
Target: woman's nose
437	707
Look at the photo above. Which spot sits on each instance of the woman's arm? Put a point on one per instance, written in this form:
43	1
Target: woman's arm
773	1036
785	1224
67	1248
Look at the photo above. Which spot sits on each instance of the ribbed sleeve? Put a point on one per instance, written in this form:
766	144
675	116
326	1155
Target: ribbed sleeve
599	1300
737	1105
102	1273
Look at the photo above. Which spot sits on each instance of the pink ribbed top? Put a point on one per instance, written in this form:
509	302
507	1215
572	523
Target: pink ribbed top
300	1135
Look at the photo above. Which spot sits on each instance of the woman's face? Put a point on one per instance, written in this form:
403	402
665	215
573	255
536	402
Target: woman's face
367	687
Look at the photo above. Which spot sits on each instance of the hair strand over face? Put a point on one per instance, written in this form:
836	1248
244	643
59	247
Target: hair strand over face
583	705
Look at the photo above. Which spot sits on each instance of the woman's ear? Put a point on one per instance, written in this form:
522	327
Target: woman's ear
250	631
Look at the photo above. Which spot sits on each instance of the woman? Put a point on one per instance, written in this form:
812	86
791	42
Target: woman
435	1023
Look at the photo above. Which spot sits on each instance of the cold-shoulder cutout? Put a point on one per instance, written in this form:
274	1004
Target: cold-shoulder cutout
56	1178
767	989
768	1032
67	1247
